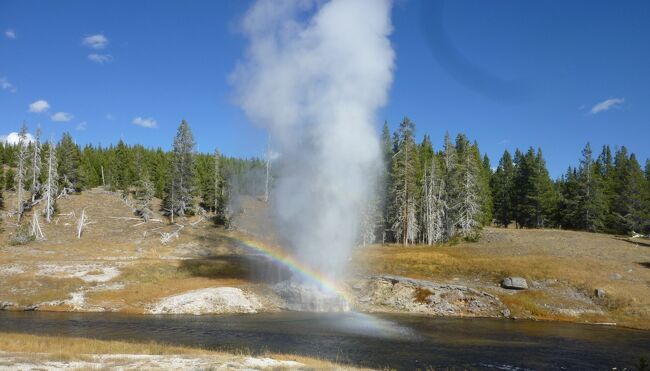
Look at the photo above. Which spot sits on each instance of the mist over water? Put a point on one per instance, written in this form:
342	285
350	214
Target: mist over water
314	75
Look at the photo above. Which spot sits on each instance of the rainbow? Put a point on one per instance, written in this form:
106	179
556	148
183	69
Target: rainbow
280	256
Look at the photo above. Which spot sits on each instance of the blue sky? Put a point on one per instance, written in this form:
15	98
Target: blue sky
507	73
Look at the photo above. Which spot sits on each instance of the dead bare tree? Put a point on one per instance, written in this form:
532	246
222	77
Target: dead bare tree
51	186
36	166
21	170
36	228
166	237
82	223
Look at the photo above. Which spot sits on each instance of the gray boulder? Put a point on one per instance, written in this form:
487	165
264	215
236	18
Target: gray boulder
514	283
600	293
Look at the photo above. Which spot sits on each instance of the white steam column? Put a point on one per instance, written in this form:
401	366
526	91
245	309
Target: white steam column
314	75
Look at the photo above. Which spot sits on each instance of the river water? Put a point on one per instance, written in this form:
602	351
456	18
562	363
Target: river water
394	341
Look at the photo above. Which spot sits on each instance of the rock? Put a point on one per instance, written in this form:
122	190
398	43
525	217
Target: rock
506	312
615	276
209	300
31	307
388	293
600	293
514	283
306	297
5	305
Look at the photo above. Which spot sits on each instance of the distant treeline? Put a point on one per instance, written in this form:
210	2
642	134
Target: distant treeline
435	196
425	196
195	179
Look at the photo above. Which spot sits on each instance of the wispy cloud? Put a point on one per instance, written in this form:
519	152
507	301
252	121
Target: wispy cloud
145	122
606	105
100	58
62	117
10	34
6	85
97	42
82	126
110	117
503	142
39	106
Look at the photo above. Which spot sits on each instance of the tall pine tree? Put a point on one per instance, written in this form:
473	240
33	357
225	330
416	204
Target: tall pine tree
502	190
178	197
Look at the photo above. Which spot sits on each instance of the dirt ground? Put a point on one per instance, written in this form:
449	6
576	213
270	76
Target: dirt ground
120	264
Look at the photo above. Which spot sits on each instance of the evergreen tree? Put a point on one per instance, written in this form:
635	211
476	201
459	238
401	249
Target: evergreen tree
205	175
425	157
122	169
590	203
10	177
218	188
628	206
570	215
433	201
467	194
534	193
160	173
387	152
502	190
68	154
450	187
404	184
144	194
487	211
178	198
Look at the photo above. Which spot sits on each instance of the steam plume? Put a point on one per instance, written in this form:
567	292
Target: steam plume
314	75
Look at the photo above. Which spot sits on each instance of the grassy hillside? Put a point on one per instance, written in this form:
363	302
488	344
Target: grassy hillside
564	269
120	264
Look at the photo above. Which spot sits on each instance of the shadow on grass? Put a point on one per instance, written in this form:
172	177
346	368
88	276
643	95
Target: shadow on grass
644	264
636	241
255	268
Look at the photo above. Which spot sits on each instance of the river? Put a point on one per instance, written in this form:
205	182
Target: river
394	341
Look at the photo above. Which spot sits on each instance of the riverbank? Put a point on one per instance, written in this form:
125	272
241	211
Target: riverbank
122	265
24	351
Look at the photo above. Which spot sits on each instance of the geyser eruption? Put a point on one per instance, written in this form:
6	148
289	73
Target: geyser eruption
314	75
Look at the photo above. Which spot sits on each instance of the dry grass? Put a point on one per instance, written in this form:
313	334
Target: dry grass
582	261
71	348
205	256
16	342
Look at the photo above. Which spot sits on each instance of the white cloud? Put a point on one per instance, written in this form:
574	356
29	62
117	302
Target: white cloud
10	34
98	41
606	105
109	116
145	122
13	138
62	117
504	142
6	85
39	106
82	126
100	58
